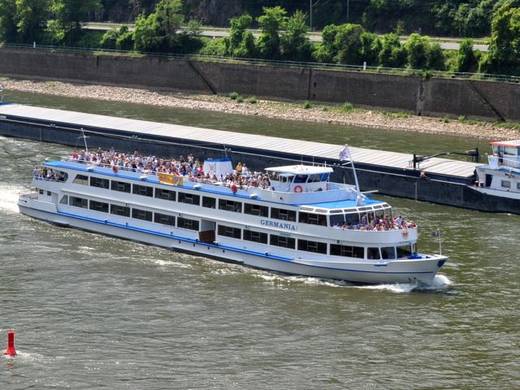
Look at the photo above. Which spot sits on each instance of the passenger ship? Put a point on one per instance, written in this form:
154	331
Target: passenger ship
301	224
501	176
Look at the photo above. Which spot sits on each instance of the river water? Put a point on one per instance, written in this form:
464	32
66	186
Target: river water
97	312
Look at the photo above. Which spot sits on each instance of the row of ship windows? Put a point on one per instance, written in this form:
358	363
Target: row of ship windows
207	201
236	233
507	184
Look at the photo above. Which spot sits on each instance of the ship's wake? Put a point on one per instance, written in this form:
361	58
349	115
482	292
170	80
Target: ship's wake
9	197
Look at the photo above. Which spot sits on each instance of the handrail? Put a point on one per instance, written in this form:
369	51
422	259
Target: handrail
285	63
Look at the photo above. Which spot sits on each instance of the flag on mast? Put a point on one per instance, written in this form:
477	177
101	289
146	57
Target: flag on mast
344	154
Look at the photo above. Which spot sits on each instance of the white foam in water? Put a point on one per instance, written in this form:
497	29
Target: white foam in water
9	198
397	288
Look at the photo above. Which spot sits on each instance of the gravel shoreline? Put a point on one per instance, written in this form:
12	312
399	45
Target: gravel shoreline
320	113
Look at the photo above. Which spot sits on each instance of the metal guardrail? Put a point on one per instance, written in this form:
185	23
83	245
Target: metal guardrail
262	62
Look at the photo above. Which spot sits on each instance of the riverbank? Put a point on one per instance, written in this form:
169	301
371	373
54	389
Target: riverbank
318	113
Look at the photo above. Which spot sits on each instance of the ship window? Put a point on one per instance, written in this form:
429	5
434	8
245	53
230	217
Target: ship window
250	235
314	179
284	215
284	242
189	198
99	182
388	252
99	206
255	209
40	192
312	246
49	193
313	219
300	178
347	251
352	219
230	205
506	184
81	179
120	186
337	220
78	202
64	199
142	190
210	203
229	231
142	214
373	253
165	194
404	251
164	219
518	186
120	210
187	223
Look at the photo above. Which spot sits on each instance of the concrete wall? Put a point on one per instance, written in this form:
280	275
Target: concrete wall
471	98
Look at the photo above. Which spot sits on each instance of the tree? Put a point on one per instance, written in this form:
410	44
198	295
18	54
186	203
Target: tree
31	19
504	48
68	15
417	48
240	42
392	53
436	57
466	60
295	44
348	44
325	50
271	22
8	28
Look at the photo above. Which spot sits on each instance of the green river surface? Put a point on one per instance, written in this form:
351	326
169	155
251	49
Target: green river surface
94	312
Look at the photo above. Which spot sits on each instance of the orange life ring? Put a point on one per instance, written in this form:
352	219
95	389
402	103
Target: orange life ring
298	189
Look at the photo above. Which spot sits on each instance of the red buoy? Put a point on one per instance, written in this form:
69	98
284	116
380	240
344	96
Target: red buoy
10	351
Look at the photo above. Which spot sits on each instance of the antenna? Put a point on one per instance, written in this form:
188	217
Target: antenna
84	139
344	155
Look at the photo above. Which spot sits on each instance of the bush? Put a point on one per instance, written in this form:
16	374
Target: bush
347	107
234	95
307	105
252	100
214	47
240	99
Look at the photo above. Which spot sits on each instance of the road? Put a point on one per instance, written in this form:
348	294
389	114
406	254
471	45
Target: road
315	36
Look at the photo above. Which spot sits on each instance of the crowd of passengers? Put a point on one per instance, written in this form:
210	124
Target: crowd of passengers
379	224
44	173
187	166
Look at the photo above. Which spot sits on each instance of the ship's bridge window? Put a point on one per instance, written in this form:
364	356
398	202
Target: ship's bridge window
313	219
347	251
259	237
284	178
164	219
81	179
120	210
312	246
142	214
300	178
99	206
273	176
99	182
64	199
373	254
228	231
506	184
518	186
254	209
404	251
284	242
189	198
78	202
209	202
189	224
283	214
388	252
230	205
314	179
165	194
142	190
120	186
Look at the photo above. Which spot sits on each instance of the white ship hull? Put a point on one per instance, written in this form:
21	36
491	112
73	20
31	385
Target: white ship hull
396	271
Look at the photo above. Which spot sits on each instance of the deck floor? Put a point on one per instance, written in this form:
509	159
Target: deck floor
461	169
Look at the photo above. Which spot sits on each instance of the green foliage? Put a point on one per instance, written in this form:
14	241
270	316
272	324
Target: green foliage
504	48
417	48
65	26
214	47
23	20
348	44
347	107
240	43
240	99
234	95
392	53
252	100
466	60
307	105
271	22
436	57
295	44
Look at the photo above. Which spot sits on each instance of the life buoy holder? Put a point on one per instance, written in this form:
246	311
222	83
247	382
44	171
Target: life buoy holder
298	189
